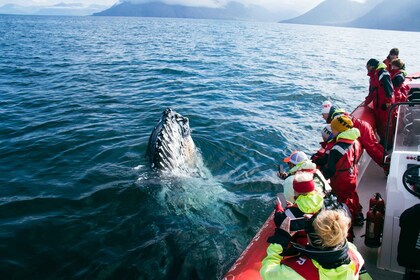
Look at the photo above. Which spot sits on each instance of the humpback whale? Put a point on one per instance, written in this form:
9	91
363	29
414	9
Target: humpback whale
171	147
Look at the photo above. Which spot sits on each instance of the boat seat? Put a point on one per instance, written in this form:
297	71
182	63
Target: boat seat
414	94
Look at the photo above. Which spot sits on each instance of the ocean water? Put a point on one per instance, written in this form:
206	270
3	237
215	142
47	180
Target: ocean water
79	97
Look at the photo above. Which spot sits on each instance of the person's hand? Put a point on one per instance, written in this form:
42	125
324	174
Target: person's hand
285	225
282	222
282	175
279	217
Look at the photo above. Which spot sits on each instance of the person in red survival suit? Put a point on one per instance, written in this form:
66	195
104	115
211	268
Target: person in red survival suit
393	54
367	136
397	77
340	166
326	144
381	93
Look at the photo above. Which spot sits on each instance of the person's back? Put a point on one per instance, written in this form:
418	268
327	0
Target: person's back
381	93
341	167
321	184
308	201
367	136
369	142
328	255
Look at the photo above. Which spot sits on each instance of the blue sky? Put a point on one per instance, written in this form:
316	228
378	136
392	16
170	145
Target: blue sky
299	5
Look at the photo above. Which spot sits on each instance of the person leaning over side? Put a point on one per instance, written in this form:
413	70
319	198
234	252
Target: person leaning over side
340	166
298	161
398	77
328	256
381	93
308	201
393	54
326	144
367	136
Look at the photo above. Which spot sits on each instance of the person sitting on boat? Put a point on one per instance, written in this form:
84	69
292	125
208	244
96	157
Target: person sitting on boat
328	256
340	165
308	201
381	93
367	135
326	144
393	54
398	77
298	161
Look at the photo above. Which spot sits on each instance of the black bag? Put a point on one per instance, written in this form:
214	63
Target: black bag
331	203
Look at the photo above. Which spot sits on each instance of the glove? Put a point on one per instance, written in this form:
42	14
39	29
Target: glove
281	237
279	217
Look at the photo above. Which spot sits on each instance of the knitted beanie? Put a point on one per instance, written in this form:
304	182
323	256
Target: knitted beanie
326	105
341	123
303	182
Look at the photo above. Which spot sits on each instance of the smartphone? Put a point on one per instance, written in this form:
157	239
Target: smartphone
297	224
280	168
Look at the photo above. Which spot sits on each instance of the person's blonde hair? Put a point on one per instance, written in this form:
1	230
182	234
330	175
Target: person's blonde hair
331	227
398	63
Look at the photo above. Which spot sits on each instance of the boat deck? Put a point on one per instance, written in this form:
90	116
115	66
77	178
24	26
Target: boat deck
372	180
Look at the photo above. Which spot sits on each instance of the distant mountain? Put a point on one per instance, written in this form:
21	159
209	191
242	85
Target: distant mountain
63	9
392	15
233	10
335	12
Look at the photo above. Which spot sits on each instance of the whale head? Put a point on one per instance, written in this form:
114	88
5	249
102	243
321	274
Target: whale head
170	145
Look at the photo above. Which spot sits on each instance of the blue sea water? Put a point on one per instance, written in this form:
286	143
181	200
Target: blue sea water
79	97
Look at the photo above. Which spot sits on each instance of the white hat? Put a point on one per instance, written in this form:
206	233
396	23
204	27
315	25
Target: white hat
326	105
326	132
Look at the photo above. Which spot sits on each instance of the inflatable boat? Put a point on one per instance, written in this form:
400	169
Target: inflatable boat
399	190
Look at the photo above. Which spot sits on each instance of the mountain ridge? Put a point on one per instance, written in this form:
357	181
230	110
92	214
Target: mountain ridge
232	11
334	12
373	14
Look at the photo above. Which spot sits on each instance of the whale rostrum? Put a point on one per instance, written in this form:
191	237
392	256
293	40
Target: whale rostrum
171	147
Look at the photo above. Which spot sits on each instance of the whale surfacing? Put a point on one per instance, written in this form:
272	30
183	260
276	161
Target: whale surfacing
171	147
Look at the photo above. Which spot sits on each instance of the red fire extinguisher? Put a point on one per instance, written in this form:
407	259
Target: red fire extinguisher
375	221
378	202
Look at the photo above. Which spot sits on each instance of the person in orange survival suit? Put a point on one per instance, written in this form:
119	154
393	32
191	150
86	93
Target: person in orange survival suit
381	93
340	165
